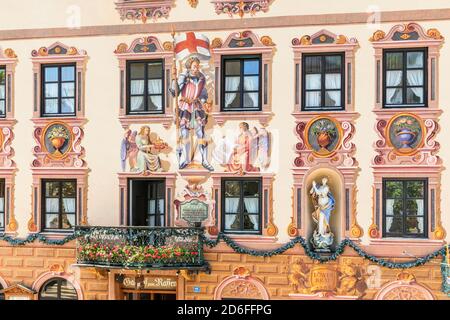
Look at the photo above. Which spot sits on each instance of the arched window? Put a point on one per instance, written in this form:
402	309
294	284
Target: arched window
58	289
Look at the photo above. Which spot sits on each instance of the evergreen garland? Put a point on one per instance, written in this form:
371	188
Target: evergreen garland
257	253
322	258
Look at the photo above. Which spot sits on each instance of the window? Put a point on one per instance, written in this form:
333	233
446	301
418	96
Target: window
148	203
2	205
58	289
59	204
241	206
405	80
58	92
145	87
241	89
2	92
405	208
324	82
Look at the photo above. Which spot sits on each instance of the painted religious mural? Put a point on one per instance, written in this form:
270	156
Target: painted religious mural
237	165
247	151
142	150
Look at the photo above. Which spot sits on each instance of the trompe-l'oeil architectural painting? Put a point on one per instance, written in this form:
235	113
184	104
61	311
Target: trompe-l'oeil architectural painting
260	152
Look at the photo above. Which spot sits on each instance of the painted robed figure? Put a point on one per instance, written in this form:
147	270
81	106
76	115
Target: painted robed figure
324	204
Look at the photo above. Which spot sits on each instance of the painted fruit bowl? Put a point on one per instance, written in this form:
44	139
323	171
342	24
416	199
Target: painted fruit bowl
406	137
159	145
323	139
58	142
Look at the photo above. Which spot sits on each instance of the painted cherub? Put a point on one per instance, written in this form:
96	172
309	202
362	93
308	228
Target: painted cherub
299	277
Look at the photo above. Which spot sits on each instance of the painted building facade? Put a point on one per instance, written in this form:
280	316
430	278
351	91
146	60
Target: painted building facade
92	140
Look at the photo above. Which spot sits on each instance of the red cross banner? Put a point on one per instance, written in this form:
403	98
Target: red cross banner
192	44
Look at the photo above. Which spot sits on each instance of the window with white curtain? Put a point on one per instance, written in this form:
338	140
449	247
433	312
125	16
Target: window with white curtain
323	82
241	83
59	205
2	204
145	87
405	78
405	208
58	90
2	91
241	206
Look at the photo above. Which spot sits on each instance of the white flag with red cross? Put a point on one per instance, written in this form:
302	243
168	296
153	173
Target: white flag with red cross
192	44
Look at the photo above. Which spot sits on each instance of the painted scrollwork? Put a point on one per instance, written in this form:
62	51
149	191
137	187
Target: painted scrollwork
7	152
404	32
409	146
58	145
325	139
144	10
323	37
241	7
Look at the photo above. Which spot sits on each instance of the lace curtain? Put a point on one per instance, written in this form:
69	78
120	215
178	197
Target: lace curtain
69	205
415	78
252	206
251	84
231	84
313	82
155	87
231	207
137	88
333	82
393	79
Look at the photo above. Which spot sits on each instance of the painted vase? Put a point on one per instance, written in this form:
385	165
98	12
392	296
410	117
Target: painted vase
58	143
323	140
406	137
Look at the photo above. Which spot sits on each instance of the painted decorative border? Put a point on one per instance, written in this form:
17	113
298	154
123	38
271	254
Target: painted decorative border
249	286
145	48
59	53
71	278
79	174
8	58
325	41
406	32
269	229
421	162
241	7
144	10
170	181
342	160
241	43
72	157
43	140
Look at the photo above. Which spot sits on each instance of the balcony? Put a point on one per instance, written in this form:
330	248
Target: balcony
141	248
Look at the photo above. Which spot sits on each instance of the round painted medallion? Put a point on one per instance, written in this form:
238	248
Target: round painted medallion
56	140
324	136
405	133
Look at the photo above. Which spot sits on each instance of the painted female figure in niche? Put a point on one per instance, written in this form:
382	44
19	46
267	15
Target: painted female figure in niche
324	204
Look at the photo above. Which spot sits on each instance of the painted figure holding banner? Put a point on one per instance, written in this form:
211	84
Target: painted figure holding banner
192	104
